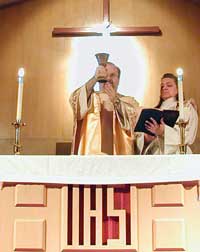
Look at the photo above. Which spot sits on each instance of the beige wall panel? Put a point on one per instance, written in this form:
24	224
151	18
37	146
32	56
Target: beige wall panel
9	214
153	228
191	220
168	195
30	146
25	230
147	214
169	235
30	195
25	40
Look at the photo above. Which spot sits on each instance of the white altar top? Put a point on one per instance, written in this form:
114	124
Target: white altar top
99	169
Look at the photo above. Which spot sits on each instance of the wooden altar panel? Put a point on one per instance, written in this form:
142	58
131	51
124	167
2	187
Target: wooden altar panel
169	234
159	217
160	224
30	195
40	224
29	235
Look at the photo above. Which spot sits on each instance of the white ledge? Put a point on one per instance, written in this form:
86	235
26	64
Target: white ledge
99	169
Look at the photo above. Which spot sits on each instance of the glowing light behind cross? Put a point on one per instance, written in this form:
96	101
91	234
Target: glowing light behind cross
125	52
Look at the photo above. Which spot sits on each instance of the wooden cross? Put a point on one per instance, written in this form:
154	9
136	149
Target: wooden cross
118	31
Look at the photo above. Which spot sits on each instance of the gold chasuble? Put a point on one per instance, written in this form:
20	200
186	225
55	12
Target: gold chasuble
101	127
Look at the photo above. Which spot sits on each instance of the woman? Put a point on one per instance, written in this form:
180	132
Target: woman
167	139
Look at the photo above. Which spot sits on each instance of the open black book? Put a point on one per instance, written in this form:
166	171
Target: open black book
169	118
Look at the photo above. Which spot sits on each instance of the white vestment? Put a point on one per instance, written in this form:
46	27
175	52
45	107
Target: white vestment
169	142
101	127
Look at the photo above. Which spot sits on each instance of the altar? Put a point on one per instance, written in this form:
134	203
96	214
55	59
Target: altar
99	203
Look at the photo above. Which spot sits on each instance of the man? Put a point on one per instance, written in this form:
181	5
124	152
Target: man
103	121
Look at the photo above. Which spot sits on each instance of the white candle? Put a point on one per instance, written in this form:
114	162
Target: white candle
20	94
179	72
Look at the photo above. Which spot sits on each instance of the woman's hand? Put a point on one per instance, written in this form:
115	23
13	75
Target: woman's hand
148	138
154	127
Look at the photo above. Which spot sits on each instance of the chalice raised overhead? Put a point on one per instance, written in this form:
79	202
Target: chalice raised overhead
102	59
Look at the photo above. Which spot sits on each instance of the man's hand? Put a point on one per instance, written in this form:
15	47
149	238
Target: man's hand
100	73
110	91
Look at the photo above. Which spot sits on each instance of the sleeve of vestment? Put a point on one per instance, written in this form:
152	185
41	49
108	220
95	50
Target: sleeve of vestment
172	135
79	101
126	110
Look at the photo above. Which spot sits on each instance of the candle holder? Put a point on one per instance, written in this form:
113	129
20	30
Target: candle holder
17	147
182	146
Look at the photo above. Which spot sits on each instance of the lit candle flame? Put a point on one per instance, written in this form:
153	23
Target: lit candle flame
21	72
179	71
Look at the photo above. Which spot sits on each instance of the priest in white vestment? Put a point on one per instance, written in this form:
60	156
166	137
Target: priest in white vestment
104	121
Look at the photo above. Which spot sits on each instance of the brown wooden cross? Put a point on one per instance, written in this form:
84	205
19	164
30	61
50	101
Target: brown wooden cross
119	31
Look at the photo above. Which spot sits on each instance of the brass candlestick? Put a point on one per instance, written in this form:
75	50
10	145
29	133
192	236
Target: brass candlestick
182	146
17	146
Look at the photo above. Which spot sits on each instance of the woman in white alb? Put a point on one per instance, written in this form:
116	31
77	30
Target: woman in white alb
167	139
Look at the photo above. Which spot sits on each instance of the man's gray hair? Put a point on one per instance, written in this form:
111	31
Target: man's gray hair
118	69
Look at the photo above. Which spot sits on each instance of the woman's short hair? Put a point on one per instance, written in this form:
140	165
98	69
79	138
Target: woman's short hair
171	76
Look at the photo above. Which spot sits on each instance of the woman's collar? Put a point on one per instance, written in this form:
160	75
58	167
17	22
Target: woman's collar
169	101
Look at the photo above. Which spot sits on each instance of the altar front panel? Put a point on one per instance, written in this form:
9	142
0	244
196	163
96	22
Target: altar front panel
143	218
